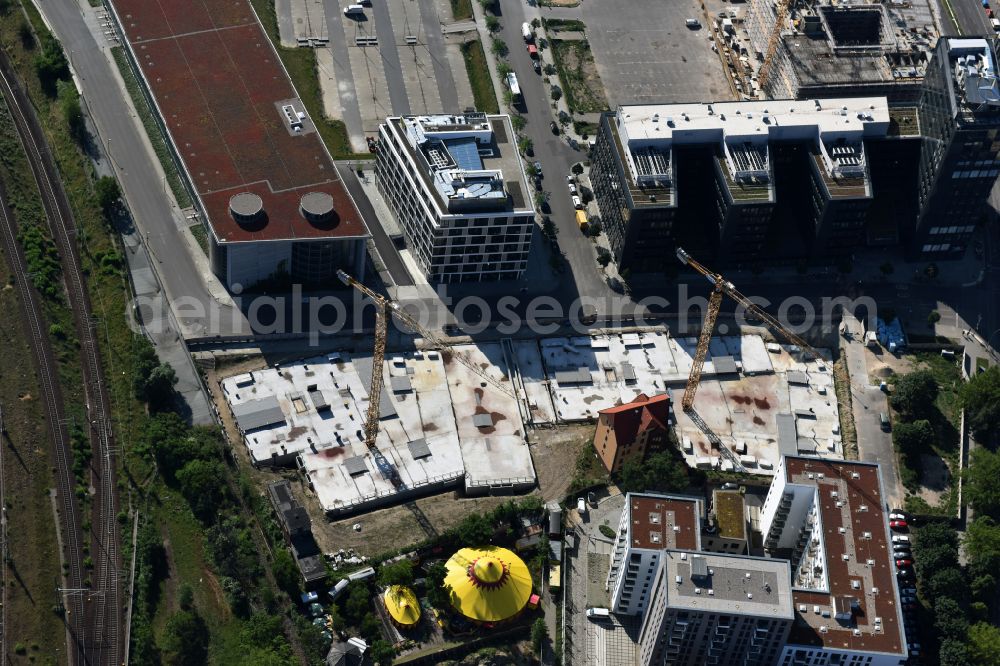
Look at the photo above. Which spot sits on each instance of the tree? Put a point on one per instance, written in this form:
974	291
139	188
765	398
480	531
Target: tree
438	594
382	652
982	544
556	93
946	583
159	388
914	394
474	530
185	639
660	471
503	69
492	23
603	256
108	192
914	438
397	573
953	653
980	398
539	632
982	488
933	317
887	268
286	573
577	169
499	47
518	122
356	604
984	644
949	619
69	103
51	66
201	483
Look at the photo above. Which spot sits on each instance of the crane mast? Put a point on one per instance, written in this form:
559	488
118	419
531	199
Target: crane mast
722	286
383	308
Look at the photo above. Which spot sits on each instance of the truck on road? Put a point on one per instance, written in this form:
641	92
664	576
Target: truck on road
526	32
515	89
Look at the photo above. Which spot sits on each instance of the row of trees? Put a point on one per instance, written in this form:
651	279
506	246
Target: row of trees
959	597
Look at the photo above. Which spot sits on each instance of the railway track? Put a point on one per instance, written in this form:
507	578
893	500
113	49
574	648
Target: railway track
99	640
69	511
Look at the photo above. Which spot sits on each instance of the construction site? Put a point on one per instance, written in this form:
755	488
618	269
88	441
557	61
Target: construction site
441	426
795	49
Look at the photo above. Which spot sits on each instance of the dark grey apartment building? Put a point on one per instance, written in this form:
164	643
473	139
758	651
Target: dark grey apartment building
781	181
721	178
959	120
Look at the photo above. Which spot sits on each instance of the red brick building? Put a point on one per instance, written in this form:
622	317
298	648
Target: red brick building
628	431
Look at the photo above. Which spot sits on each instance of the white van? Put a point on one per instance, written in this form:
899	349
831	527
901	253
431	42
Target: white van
900	539
598	613
581	507
996	24
353	9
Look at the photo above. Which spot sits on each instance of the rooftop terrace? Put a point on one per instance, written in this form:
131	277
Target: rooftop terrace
468	162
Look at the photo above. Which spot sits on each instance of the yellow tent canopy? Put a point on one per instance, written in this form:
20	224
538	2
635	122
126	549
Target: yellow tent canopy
402	605
488	584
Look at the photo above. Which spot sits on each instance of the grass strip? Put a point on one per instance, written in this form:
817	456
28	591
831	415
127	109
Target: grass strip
461	10
479	77
152	127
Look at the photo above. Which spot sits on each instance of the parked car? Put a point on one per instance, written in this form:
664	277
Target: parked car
537	66
898	524
554	126
898	514
904	562
572	188
538	168
900	538
577	202
905	574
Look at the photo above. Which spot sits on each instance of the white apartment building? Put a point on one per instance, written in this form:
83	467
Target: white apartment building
458	189
649	525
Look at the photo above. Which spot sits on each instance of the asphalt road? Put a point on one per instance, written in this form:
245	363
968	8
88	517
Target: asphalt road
390	59
971	18
556	158
874	444
138	171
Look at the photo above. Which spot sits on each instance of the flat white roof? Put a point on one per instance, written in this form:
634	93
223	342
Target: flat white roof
778	119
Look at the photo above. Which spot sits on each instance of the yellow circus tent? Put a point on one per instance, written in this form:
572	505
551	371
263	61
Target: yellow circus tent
488	584
402	605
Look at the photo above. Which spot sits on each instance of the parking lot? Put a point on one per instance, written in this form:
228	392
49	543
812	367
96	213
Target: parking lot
645	53
391	58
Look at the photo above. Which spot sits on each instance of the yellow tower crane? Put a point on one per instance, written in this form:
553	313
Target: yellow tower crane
723	286
383	307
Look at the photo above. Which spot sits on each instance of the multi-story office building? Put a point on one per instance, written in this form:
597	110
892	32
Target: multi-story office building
626	432
650	525
960	159
647	208
827	518
457	186
708	608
